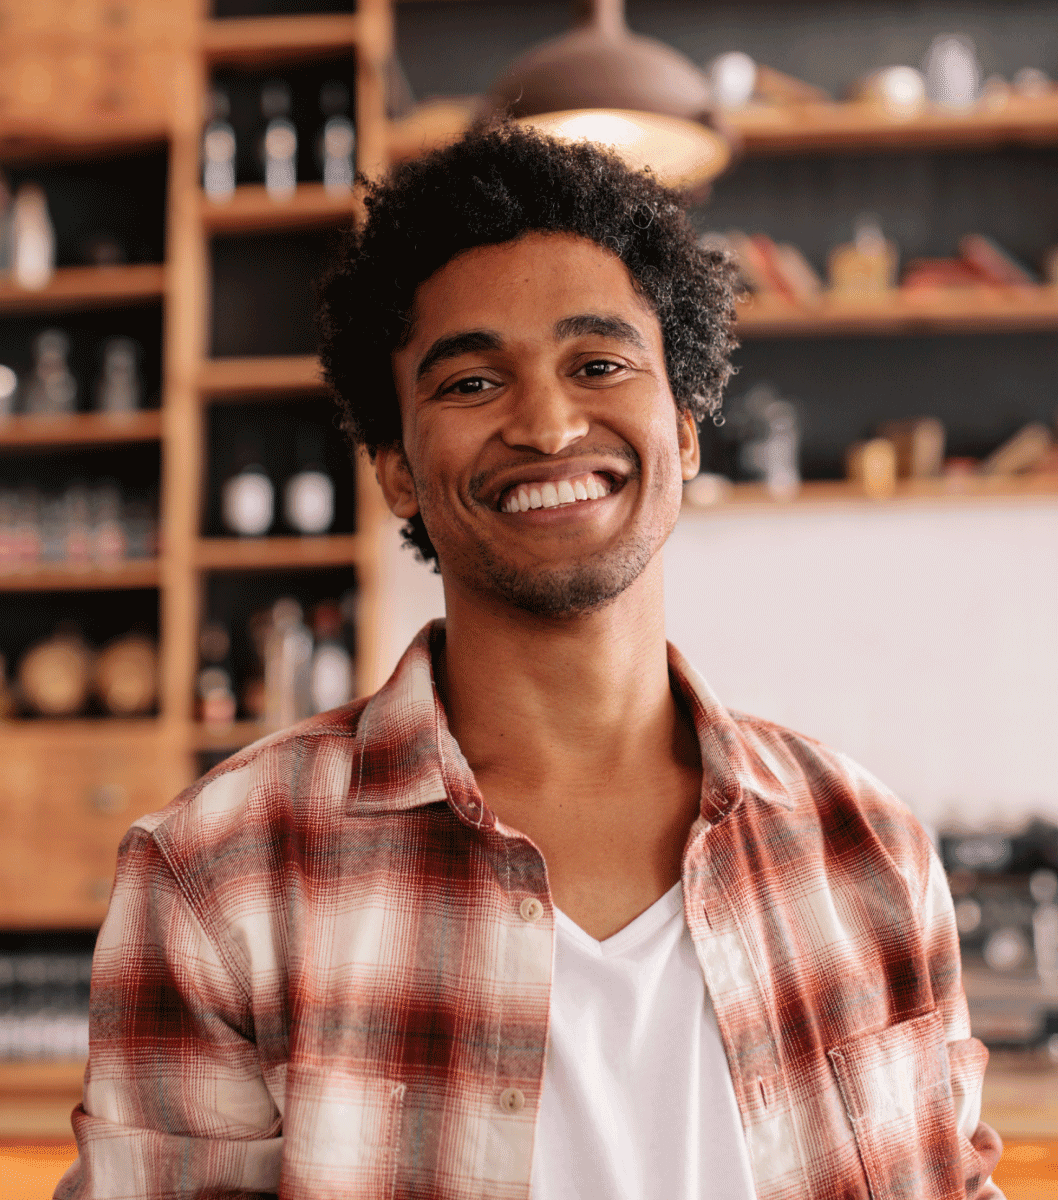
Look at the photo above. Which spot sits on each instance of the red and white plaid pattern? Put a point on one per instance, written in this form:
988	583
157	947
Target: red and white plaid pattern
317	976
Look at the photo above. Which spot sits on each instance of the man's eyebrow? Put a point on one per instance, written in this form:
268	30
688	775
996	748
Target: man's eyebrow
455	344
589	324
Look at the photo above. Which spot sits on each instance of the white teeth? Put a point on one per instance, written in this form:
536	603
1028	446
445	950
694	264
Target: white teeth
553	495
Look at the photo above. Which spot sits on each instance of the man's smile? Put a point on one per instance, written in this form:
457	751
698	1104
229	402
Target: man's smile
524	496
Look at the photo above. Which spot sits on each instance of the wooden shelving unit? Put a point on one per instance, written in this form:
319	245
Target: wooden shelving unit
86	287
848	127
905	311
254	41
70	577
81	429
831	493
222	738
150	760
815	128
236	378
277	553
252	209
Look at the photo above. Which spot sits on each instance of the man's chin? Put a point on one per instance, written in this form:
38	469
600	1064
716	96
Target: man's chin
569	591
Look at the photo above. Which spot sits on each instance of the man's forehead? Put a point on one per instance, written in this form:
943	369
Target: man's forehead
565	275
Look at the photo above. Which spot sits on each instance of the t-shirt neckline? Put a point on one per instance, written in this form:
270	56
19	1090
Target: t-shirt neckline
649	922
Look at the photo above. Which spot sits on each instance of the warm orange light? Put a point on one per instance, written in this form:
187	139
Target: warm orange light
681	153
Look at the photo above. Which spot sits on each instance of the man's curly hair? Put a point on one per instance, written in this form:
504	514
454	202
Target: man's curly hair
494	185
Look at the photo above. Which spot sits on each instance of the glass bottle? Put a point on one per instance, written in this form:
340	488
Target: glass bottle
279	145
336	143
118	386
288	655
248	495
332	678
32	238
308	495
51	388
218	150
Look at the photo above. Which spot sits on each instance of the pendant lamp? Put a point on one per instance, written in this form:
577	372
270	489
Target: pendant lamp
603	83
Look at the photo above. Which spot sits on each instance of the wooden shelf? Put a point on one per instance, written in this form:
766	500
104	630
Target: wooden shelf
60	577
59	732
81	429
252	209
803	128
87	287
905	311
251	41
35	1103
265	553
959	490
236	378
42	1078
56	142
227	738
828	128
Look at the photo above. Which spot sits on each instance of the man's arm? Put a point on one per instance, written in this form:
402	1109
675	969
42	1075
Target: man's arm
979	1143
175	1103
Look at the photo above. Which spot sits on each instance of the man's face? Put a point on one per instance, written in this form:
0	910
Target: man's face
541	441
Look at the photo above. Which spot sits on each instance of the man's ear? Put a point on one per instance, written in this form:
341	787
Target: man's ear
395	479
690	450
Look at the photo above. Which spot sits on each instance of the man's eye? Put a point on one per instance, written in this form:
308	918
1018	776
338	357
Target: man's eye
471	386
598	367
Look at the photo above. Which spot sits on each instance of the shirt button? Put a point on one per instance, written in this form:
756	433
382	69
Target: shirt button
531	910
512	1100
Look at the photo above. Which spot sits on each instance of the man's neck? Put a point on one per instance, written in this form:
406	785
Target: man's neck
543	701
576	741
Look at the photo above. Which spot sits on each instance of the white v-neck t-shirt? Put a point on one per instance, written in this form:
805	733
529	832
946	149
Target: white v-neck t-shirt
637	1099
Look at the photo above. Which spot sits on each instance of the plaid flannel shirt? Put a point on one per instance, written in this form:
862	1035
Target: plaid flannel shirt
321	976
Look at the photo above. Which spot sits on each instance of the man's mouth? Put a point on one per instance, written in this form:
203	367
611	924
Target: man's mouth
556	493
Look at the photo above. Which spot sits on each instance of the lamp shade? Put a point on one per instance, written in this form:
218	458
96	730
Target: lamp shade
659	101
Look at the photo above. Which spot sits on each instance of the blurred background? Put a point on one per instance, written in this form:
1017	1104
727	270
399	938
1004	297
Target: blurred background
189	558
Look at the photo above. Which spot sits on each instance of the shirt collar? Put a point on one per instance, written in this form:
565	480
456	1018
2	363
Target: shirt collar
406	756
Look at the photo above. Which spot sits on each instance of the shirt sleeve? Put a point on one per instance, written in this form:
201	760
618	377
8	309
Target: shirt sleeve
979	1143
175	1102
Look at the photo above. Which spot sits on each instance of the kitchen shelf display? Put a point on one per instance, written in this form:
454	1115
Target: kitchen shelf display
977	309
86	287
121	768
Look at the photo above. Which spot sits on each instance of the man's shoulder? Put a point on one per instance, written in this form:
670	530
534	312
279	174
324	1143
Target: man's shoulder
295	774
816	785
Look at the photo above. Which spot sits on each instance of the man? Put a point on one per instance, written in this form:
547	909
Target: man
541	918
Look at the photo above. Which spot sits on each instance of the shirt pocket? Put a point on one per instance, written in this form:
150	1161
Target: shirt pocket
341	1134
896	1088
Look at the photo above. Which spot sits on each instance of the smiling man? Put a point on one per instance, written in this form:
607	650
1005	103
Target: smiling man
540	919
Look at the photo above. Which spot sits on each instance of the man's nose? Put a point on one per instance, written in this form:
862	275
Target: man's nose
544	418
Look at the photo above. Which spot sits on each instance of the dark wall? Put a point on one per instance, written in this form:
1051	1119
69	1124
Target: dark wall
452	48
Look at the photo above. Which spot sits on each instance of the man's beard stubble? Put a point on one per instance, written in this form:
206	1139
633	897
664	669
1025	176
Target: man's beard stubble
574	590
569	591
